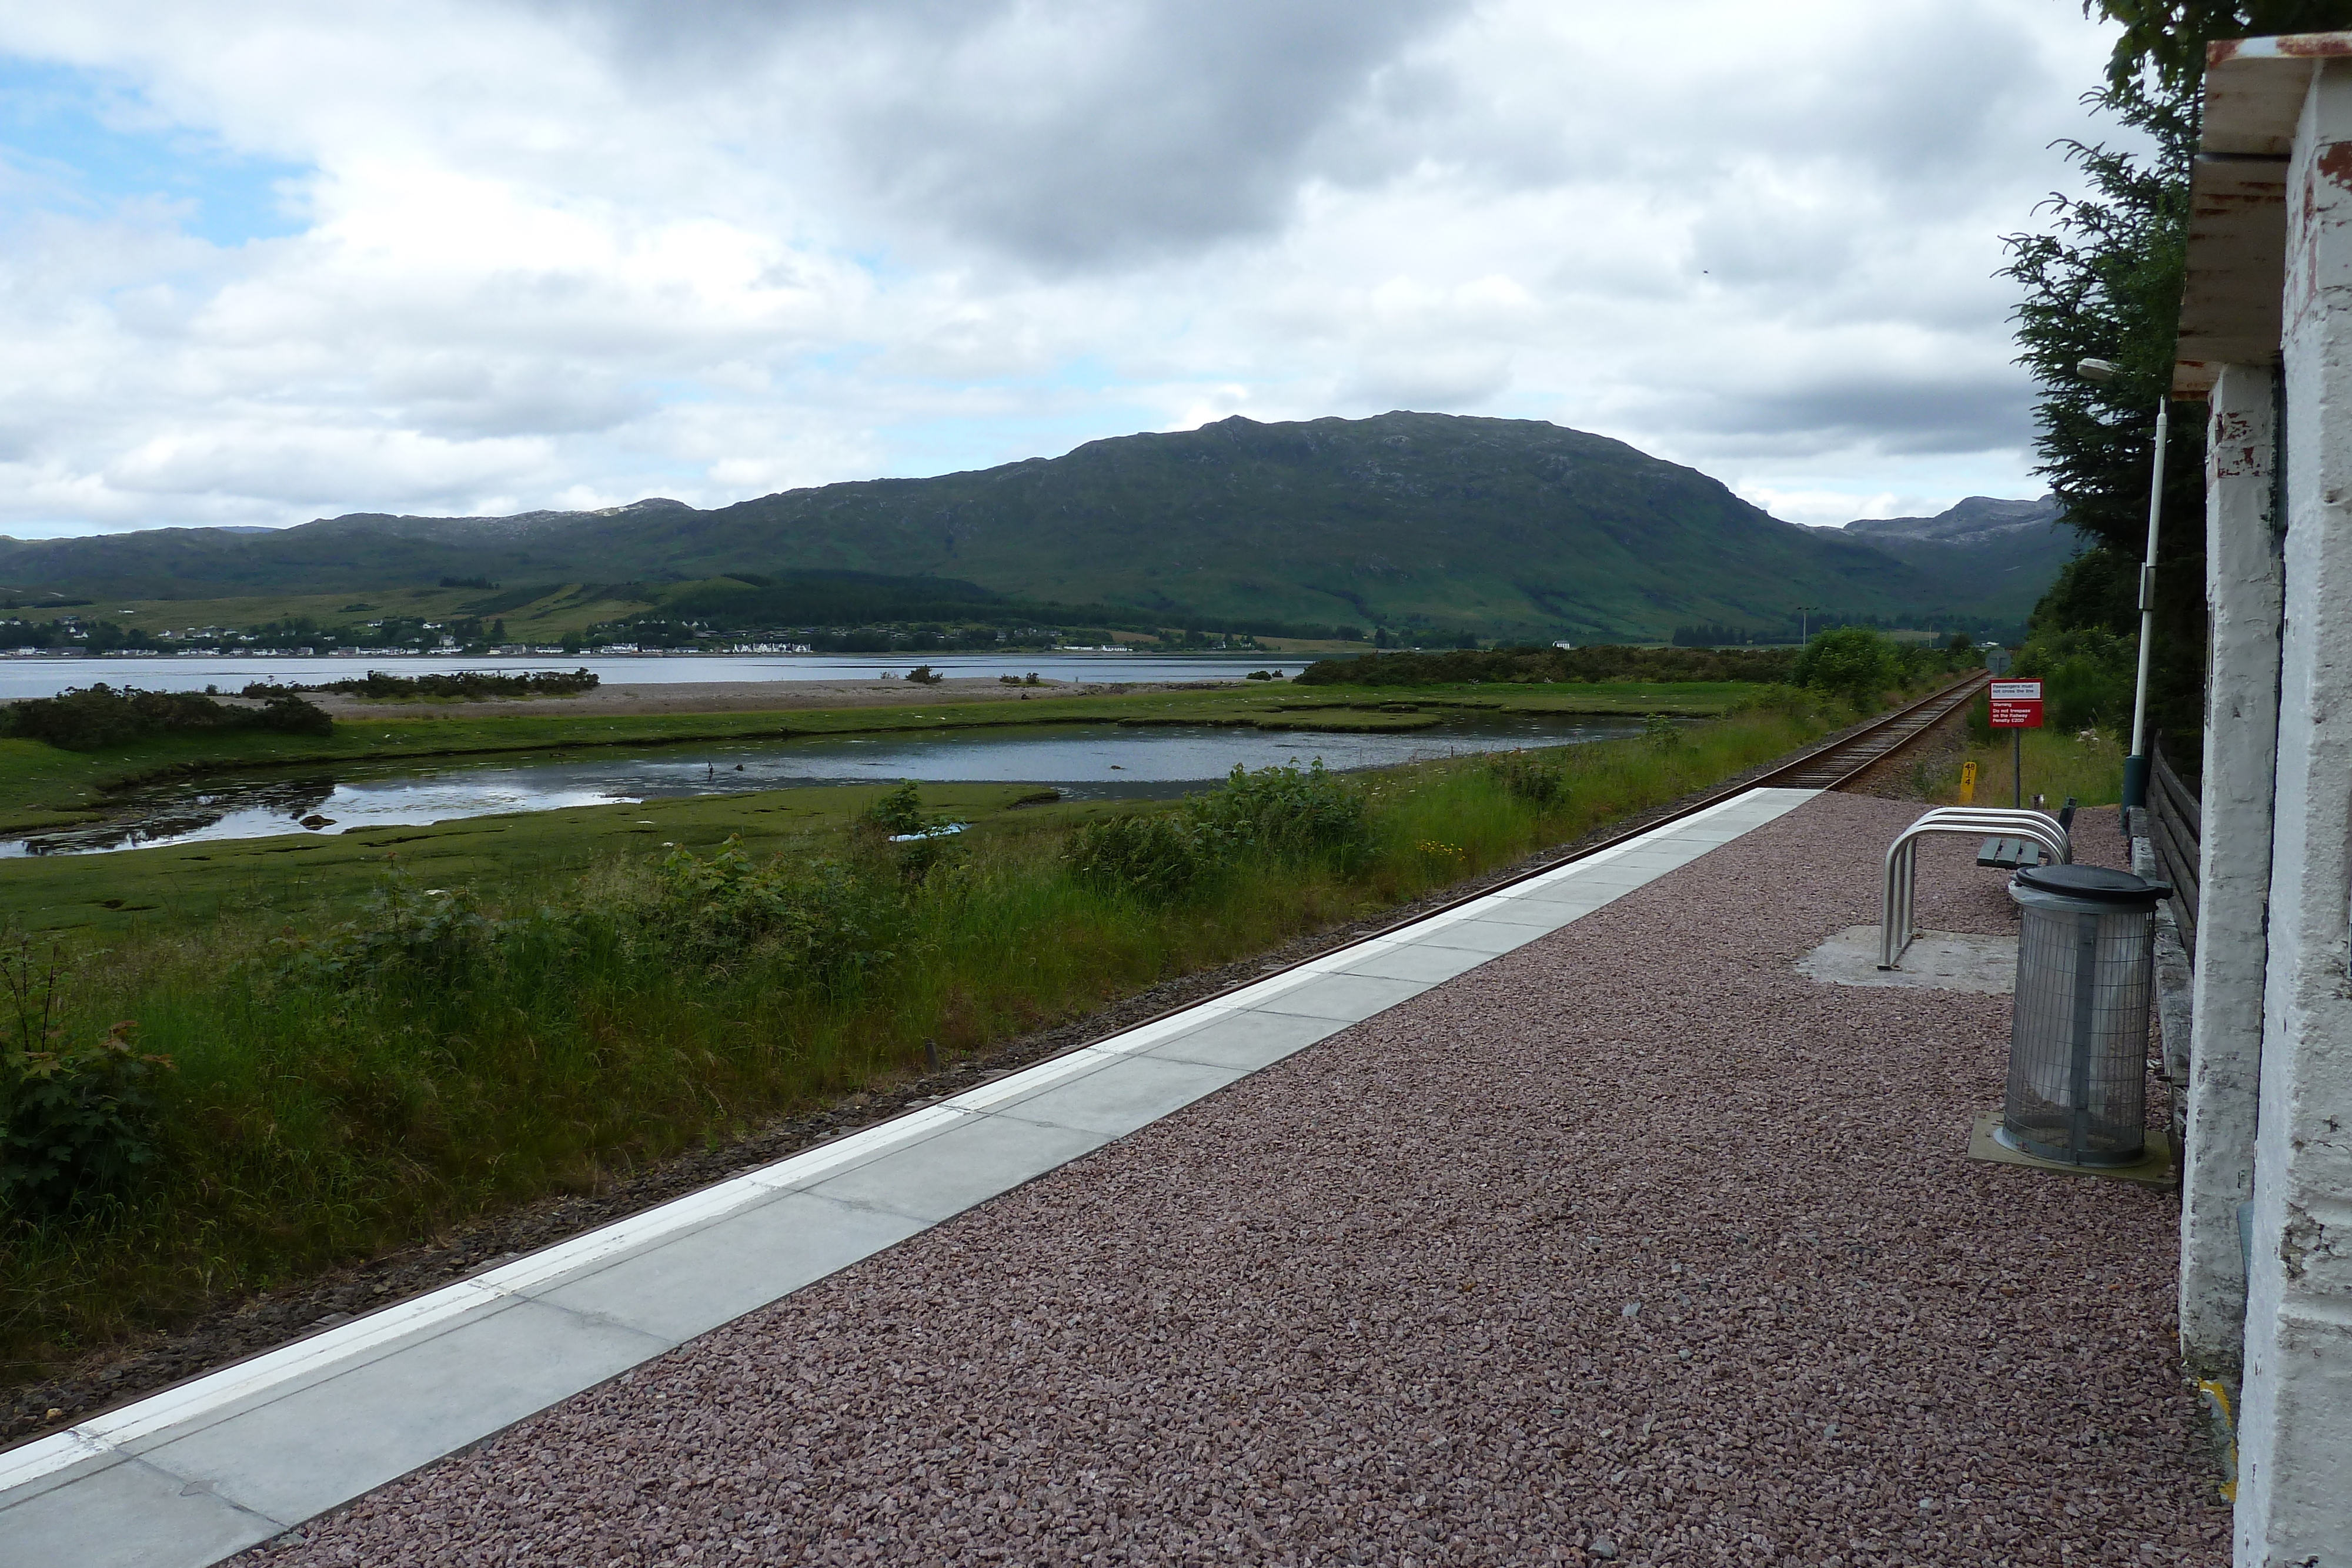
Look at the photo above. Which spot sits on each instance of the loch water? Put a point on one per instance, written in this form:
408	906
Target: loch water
1094	762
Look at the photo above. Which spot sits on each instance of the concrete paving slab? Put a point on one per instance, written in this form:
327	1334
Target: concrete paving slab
1249	1039
693	1283
321	1445
1935	960
2153	1169
1488	936
1417	962
1132	1092
1538	915
1620	878
967	1164
128	1515
1349	998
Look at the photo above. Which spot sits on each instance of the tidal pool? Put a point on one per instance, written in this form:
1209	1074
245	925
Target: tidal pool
1084	762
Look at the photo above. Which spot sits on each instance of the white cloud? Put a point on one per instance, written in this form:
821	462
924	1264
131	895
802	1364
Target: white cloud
551	251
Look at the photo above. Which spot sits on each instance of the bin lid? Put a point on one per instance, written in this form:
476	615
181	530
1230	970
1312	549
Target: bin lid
2092	883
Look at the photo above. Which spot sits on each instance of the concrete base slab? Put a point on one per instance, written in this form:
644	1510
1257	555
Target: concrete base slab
1936	961
2156	1170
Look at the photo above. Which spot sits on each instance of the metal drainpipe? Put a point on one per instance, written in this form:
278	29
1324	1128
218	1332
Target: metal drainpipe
2135	764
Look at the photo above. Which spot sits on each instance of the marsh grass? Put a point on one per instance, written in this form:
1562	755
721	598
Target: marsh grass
343	1088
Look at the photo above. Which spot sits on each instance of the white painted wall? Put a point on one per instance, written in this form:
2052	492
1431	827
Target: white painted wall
2294	1494
2225	1037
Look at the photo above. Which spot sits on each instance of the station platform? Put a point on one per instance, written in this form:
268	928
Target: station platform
1575	1223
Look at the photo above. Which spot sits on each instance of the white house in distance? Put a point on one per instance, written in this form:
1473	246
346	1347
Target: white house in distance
2266	1210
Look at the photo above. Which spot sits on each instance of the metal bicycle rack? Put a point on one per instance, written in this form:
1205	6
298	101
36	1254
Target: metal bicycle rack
1896	928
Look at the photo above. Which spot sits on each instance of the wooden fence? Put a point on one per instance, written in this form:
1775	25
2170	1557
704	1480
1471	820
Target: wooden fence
2174	826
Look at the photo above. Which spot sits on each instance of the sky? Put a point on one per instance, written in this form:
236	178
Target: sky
262	262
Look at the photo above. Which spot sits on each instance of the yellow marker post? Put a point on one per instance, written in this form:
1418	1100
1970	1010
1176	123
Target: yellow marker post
1968	782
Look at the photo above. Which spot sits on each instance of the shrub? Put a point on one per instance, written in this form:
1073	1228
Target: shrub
1530	776
94	717
76	1119
1159	856
468	684
819	918
1660	733
1285	812
1540	665
2088	677
437	935
1853	663
900	810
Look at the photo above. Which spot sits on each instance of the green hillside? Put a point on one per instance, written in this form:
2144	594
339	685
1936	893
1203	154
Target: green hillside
1511	528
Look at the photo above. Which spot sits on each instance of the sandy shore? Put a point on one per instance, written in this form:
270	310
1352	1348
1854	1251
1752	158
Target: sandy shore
722	697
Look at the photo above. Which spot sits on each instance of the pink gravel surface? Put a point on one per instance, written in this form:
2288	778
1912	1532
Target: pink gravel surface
1633	1242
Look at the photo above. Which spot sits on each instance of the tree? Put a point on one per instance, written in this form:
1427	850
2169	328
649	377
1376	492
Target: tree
2103	281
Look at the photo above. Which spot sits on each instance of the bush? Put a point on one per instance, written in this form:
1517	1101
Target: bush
468	684
434	934
1544	665
819	918
1853	663
1286	812
924	675
77	1120
1531	777
2088	677
1159	856
94	717
901	812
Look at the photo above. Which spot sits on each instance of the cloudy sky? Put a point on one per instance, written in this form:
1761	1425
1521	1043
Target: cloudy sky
269	260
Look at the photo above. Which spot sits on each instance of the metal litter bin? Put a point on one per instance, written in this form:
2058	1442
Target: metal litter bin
2078	1037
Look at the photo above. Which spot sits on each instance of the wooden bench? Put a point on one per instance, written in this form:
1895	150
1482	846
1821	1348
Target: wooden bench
2008	854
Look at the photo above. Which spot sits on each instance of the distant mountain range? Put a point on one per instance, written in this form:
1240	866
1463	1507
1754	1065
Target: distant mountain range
1510	527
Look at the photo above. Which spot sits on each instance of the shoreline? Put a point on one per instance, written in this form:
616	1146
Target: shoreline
637	701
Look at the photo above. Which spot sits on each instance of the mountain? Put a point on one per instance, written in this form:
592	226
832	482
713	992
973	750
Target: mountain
1516	527
2007	552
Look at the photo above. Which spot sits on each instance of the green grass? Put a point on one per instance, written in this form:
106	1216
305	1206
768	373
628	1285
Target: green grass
2057	763
305	1126
307	876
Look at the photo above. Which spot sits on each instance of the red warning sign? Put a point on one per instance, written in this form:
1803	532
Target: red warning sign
2016	705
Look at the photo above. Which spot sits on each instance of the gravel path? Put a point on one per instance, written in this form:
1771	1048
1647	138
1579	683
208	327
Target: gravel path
1630	1243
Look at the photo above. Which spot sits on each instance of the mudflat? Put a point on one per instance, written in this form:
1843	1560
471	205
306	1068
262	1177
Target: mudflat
722	697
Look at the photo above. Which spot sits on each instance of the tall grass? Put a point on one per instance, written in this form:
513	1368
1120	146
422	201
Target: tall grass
336	1093
2087	765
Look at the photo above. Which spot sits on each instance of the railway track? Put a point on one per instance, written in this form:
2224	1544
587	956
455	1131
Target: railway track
1825	767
